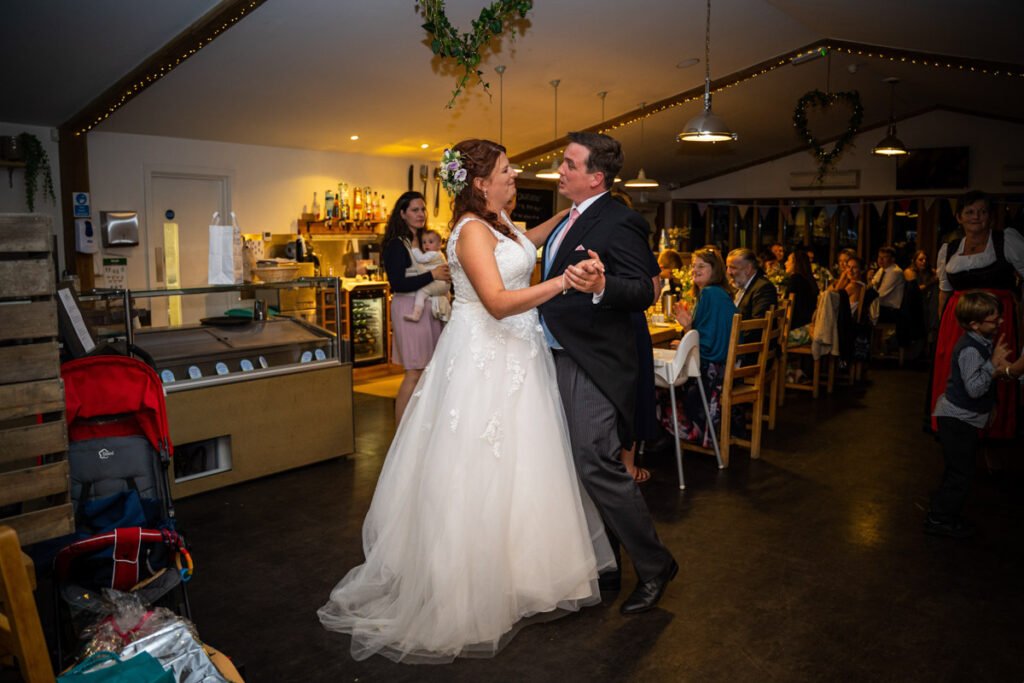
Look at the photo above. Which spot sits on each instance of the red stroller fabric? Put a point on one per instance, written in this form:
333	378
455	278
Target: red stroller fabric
99	386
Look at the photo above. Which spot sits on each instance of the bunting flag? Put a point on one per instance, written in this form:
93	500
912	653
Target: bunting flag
880	206
855	209
743	208
830	210
763	210
787	211
952	205
702	207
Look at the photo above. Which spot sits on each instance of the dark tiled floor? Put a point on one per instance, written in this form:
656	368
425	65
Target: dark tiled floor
806	565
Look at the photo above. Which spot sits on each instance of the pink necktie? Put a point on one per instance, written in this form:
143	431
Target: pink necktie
573	215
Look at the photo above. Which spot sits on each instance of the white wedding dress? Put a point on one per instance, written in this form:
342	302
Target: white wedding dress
478	524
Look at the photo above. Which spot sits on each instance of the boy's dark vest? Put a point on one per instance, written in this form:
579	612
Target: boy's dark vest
997	275
955	391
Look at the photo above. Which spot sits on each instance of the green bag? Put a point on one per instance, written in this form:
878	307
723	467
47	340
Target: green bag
142	668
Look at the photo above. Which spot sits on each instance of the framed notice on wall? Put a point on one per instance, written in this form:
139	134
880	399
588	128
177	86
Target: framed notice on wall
534	205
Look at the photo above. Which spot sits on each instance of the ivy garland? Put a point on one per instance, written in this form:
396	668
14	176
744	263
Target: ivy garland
817	98
465	48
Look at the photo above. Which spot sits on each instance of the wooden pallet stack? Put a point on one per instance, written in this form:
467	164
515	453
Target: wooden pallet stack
34	494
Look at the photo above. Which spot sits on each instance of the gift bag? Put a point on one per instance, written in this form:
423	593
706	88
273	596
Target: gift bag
225	264
107	667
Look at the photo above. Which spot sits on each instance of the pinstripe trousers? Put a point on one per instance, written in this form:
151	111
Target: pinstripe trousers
596	446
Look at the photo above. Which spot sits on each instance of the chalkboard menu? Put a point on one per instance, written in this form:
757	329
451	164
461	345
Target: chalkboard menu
533	205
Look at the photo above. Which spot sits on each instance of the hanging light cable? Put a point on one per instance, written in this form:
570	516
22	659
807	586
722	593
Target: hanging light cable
641	180
500	69
552	173
890	145
706	127
603	94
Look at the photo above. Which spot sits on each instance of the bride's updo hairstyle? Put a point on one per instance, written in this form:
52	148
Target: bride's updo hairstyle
478	158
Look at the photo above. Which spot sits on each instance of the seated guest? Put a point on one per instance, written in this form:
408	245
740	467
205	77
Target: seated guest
754	293
841	260
804	289
712	318
670	260
770	265
852	283
888	281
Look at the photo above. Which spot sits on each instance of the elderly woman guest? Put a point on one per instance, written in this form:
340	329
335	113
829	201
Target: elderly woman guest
712	318
984	259
413	341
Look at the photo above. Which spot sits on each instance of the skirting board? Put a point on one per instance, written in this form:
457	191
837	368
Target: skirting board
833	180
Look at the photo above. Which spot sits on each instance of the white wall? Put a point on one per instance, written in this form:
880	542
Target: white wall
12	199
992	144
270	185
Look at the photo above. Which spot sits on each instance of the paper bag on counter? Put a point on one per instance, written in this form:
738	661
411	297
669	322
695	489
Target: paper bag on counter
225	263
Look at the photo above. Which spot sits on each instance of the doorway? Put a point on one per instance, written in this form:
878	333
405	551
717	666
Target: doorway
188	201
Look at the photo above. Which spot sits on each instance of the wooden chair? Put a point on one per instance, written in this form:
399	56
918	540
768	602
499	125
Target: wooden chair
743	385
773	362
21	634
804	350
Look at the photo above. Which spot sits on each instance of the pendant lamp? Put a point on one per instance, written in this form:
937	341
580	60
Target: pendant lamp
706	127
552	173
890	145
641	179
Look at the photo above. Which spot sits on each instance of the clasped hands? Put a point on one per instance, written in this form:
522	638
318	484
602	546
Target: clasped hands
585	276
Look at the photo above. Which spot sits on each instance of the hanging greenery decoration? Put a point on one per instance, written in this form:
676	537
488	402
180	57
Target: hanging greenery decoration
36	162
817	98
466	48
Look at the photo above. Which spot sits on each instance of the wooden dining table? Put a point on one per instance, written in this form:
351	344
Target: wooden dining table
664	333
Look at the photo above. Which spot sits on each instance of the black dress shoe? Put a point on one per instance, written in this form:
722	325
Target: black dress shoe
610	582
647	593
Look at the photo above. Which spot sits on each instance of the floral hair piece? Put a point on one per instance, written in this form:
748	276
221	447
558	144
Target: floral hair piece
453	173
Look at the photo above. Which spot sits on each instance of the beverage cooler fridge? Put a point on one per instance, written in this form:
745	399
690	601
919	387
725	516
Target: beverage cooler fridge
368	325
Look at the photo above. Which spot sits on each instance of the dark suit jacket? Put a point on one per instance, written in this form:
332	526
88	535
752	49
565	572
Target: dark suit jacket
759	297
599	337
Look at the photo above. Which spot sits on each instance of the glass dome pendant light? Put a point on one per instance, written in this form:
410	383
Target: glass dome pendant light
500	69
552	173
641	180
890	145
706	127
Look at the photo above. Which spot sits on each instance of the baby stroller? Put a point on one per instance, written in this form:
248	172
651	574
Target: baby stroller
120	449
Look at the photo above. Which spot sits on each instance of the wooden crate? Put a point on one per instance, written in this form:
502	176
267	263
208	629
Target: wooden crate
34	496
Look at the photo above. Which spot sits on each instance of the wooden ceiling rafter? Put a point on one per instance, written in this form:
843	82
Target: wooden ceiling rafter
542	154
162	62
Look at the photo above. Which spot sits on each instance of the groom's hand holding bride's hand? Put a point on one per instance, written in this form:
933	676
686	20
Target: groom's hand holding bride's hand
587	276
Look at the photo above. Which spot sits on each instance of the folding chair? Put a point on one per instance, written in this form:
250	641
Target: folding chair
672	369
21	634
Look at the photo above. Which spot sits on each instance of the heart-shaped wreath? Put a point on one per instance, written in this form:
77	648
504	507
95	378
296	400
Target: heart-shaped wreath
466	48
817	98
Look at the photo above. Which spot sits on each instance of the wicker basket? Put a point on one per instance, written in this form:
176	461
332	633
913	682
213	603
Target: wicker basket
277	273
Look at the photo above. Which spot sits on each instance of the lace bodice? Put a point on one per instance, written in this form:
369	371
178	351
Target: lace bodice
515	257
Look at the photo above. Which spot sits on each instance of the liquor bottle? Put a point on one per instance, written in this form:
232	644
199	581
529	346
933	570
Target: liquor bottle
336	208
376	206
346	207
383	209
357	204
328	203
315	209
367	201
341	201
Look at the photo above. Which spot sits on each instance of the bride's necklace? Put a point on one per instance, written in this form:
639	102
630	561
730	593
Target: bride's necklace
974	246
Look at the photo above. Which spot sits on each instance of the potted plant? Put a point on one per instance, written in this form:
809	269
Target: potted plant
36	162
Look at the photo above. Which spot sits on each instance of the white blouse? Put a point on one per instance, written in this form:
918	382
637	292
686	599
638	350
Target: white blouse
1013	250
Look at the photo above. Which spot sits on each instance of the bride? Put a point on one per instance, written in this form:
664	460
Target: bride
478	524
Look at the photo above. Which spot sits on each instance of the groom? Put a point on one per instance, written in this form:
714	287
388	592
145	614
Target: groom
595	353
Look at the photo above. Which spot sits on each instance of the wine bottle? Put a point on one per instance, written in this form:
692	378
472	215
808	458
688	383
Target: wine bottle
315	208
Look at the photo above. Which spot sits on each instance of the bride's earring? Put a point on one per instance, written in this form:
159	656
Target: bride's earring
485	195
